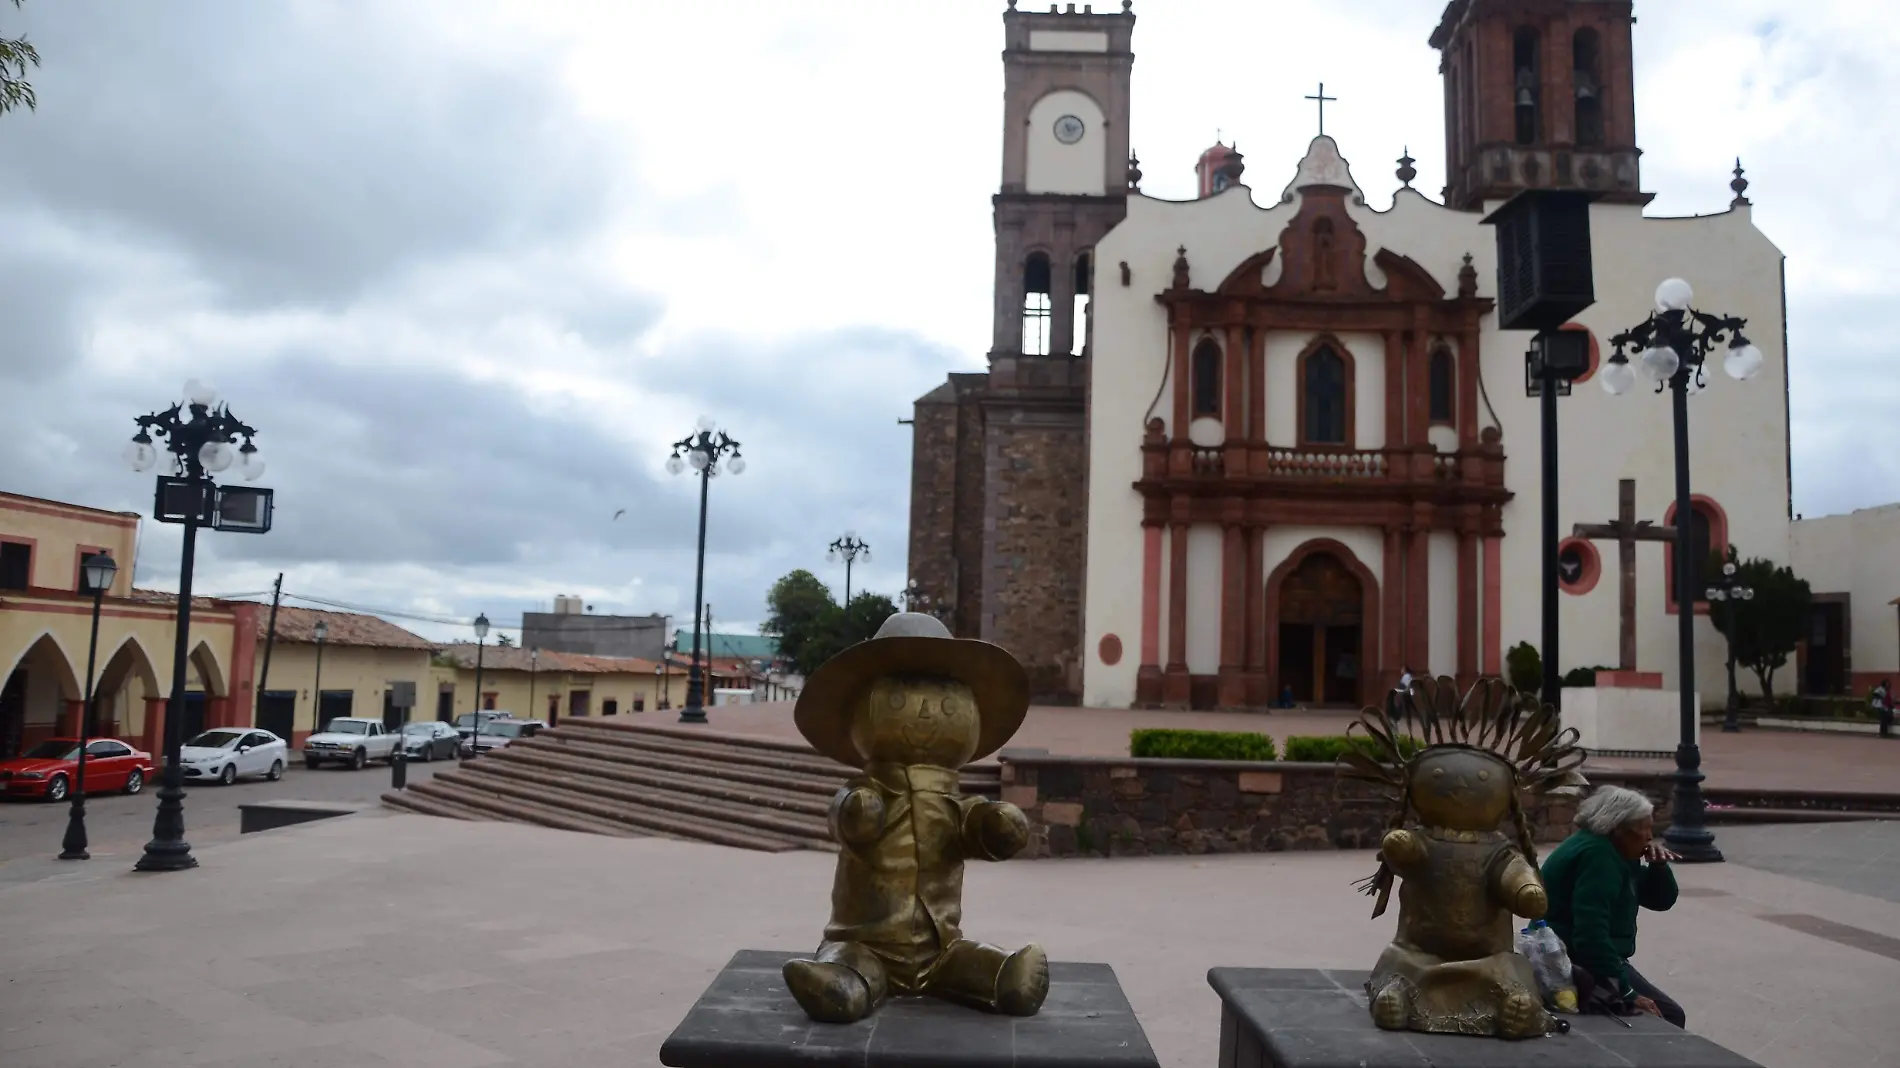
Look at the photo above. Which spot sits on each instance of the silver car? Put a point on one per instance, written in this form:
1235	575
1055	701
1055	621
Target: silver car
429	741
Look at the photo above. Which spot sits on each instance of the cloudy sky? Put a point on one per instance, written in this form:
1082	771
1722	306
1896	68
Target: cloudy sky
471	266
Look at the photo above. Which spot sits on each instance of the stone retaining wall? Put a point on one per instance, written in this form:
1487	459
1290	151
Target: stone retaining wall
1128	806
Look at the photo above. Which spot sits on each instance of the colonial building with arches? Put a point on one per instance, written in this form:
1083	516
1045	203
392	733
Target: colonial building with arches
1246	447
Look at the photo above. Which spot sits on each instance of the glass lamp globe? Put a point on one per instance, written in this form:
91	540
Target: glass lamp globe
1660	363
674	465
140	455
216	455
1714	594
706	424
249	465
198	391
320	631
1743	362
1748	595
100	570
1695	384
736	465
481	626
698	459
1728	568
1673	295
1618	378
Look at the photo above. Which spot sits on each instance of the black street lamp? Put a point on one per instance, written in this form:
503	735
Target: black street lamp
321	632
475	721
1675	342
916	600
850	549
702	450
1727	590
99	570
201	446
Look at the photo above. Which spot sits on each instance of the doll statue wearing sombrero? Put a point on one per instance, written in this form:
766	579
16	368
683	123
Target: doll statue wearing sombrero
1460	767
909	708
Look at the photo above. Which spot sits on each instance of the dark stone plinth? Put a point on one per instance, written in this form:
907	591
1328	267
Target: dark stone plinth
270	815
747	1019
1305	1018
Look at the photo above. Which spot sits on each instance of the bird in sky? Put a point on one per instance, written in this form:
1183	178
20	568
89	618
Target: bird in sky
618	514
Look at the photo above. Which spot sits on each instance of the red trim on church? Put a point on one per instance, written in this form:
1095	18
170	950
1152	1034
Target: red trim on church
1718	543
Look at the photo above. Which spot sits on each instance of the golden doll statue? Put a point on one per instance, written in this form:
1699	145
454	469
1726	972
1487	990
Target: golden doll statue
910	708
1452	966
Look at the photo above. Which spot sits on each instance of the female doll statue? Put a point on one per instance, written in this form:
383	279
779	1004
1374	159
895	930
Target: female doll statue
1459	768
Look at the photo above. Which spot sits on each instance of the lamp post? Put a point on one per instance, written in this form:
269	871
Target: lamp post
534	657
475	721
199	434
100	571
702	450
321	632
849	548
916	600
1727	590
1675	342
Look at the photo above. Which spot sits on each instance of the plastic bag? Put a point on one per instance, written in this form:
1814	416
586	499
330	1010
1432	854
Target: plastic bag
1540	945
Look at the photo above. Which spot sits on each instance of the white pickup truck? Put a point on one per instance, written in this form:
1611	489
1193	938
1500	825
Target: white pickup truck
355	742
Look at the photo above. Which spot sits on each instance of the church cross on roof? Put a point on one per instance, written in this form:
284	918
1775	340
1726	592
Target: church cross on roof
1323	99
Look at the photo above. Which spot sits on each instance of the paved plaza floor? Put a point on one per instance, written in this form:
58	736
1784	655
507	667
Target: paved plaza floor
384	938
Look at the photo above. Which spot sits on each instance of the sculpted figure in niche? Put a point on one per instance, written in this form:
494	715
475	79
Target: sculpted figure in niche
910	708
1459	768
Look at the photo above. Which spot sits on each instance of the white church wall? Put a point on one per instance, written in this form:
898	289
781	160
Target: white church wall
1282	351
1443	589
1369	376
1053	167
1203	598
1858	554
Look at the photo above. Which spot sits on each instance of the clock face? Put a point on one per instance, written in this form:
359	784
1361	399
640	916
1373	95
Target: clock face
1069	129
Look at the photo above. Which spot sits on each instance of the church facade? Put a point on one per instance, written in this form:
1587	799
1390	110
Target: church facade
1288	452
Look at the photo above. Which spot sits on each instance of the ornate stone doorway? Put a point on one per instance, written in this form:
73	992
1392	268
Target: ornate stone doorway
1321	632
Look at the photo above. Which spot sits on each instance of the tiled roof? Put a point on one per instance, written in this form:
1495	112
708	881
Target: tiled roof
515	658
343	628
167	597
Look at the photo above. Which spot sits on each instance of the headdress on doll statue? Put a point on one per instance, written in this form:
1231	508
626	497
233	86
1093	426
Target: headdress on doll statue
1460	766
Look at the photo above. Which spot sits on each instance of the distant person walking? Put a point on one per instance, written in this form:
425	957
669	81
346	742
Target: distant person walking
1882	700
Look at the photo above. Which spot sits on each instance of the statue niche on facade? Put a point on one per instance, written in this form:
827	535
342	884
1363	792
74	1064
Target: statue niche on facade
1460	767
909	709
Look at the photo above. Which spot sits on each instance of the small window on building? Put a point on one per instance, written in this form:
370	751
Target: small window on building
639	704
1587	64
1443	378
489	698
1325	382
1207	360
611	706
1527	87
1036	305
1080	345
16	565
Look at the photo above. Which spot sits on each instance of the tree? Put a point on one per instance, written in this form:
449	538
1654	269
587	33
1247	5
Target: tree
503	641
16	54
1525	668
841	628
1764	629
799	608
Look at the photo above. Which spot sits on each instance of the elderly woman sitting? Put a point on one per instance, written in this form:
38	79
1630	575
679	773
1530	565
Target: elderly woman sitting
1596	880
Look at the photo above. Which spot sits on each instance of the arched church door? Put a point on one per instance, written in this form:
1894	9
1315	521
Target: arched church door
1321	619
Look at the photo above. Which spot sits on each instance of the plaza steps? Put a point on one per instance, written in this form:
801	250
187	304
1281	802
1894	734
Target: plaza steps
633	779
1735	806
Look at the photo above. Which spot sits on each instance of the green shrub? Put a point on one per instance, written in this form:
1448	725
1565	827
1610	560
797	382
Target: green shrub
1326	749
1583	676
1200	745
1524	668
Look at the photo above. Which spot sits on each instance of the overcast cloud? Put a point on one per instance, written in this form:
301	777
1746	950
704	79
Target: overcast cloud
471	267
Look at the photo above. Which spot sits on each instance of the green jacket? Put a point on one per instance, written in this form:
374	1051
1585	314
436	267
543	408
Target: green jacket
1594	895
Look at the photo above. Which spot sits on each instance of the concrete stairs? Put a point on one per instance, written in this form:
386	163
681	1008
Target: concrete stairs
633	779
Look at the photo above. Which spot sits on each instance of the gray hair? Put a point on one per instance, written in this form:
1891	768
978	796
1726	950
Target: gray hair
1611	807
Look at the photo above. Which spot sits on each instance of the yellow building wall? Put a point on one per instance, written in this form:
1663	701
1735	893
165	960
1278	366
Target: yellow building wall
364	672
512	691
58	533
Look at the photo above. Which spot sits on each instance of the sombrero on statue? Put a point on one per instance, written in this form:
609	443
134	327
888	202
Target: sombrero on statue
912	643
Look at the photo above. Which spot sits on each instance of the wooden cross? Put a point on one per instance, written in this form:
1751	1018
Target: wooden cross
1323	100
1626	530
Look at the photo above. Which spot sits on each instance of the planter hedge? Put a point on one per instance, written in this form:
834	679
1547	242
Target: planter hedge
1326	749
1200	745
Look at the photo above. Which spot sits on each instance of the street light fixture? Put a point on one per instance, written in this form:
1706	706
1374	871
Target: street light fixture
321	632
199	434
475	721
850	548
703	450
99	570
1675	343
1727	590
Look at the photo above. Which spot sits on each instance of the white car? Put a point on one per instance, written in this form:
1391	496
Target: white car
351	741
228	753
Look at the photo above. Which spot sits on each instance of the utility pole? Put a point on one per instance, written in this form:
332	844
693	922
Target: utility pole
270	639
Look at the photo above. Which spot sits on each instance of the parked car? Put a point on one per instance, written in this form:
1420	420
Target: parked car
226	753
465	723
427	741
496	734
50	769
351	741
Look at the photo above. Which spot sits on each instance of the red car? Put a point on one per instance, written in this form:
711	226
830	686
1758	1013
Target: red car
49	769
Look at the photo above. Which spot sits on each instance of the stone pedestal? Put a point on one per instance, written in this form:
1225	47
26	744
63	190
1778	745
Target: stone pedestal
1303	1018
747	1019
1627	721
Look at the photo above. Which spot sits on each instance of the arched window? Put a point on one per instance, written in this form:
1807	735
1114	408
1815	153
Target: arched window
1083	273
1443	378
1706	535
1324	382
1587	75
1207	360
1036	305
1527	85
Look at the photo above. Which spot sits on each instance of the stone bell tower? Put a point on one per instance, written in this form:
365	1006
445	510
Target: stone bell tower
999	467
1539	94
